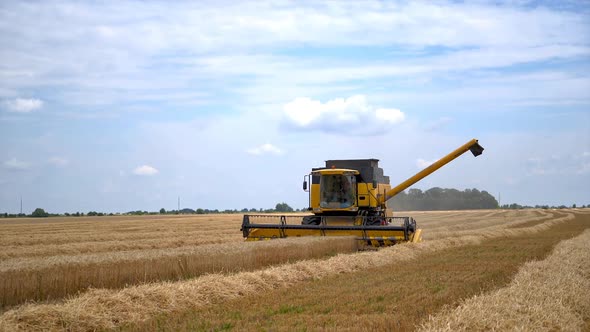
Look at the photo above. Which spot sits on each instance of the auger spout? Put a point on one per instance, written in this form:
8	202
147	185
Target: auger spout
472	146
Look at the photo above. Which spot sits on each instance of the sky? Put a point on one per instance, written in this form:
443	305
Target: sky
117	106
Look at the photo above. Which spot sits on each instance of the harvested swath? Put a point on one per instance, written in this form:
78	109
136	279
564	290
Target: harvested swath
62	236
168	231
108	309
529	223
122	228
489	220
83	261
582	211
59	276
489	226
11	252
547	295
433	219
477	221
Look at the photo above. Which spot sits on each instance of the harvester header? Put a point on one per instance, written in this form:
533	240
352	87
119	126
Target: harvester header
348	198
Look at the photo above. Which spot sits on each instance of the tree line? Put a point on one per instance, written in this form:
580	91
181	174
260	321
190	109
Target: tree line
452	199
280	207
41	213
443	199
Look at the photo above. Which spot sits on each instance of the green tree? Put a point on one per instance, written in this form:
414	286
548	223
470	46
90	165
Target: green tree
283	207
162	211
39	213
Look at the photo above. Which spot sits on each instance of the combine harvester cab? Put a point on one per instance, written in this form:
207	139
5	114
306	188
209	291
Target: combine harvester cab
348	198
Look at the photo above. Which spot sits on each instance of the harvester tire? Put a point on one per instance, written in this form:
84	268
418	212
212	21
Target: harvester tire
311	220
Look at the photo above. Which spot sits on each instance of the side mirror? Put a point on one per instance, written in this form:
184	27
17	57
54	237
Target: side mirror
305	179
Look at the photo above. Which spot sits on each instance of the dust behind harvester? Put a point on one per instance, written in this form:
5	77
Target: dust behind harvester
348	198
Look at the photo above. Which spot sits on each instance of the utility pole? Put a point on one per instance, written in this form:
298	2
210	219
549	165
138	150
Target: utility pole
21	204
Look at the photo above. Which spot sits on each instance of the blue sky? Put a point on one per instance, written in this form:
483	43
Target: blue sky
119	106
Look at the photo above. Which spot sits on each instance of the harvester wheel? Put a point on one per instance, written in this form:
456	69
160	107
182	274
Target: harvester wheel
376	220
311	220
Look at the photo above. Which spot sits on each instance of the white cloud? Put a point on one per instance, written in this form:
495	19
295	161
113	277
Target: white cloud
145	170
58	161
16	165
421	163
390	115
20	105
265	149
352	116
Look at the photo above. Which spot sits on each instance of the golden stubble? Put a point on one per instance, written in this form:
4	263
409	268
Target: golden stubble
548	295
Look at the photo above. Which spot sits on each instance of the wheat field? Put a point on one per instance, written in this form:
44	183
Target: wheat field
545	295
126	272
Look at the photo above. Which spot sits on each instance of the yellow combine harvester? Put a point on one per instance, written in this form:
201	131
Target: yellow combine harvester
348	198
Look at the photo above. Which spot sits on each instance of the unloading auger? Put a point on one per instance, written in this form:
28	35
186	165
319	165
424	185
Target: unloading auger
348	198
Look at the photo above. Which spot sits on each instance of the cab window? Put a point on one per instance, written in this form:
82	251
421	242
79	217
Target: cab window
337	191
